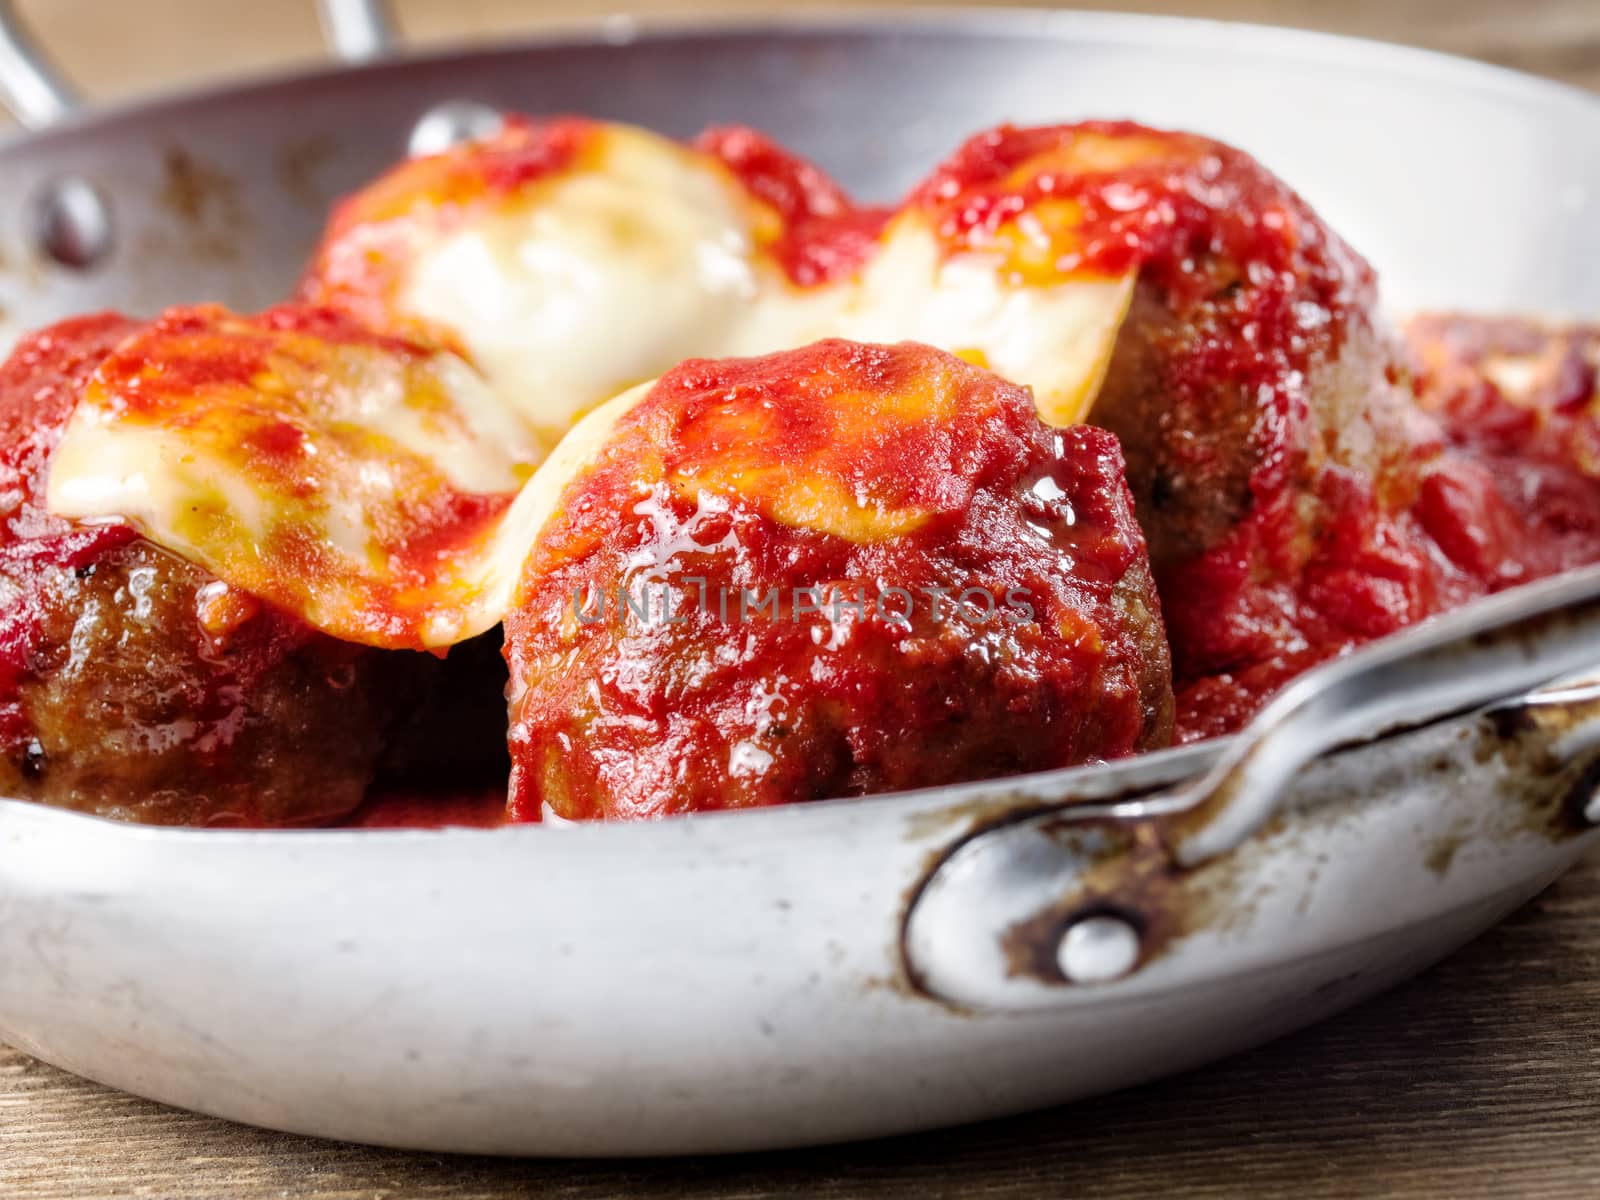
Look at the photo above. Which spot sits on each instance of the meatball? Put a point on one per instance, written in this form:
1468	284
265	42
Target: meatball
1251	356
1249	349
135	684
570	259
1273	453
832	571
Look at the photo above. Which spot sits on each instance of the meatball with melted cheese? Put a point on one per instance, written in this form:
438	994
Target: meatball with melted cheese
1273	455
1249	354
833	571
570	259
134	682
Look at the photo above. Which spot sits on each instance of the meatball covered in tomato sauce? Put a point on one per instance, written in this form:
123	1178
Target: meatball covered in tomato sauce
1272	454
134	682
1249	334
833	571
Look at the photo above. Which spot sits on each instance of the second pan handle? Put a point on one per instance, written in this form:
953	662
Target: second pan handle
359	30
36	92
1490	651
31	87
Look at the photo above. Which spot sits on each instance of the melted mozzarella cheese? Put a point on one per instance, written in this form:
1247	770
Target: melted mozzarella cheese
385	497
357	485
646	253
538	501
599	277
1055	338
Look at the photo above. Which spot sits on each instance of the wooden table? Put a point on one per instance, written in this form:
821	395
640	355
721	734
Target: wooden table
1482	1077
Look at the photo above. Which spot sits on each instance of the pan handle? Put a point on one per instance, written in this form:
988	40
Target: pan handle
38	95
1067	882
1492	651
359	30
32	89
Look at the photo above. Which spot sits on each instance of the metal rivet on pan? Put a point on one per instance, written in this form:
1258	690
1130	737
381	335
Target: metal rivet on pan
1098	949
72	222
1591	811
451	123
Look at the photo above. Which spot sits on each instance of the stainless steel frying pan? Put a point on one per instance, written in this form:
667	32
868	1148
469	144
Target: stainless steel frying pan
852	968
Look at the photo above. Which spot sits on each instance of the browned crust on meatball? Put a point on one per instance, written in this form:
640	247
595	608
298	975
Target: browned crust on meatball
133	685
136	714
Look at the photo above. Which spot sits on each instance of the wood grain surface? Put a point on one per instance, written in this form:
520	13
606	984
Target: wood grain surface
1480	1078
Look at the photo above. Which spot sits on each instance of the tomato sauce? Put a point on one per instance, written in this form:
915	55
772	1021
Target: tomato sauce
1505	490
1519	405
1486	475
825	234
759	490
400	807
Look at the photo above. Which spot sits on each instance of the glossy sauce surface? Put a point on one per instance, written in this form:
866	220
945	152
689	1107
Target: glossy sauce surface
1411	483
39	386
756	492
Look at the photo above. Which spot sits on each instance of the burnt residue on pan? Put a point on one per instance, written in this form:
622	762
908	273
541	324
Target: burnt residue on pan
1568	819
1537	739
1130	877
984	814
298	165
205	202
1526	752
980	814
1442	850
